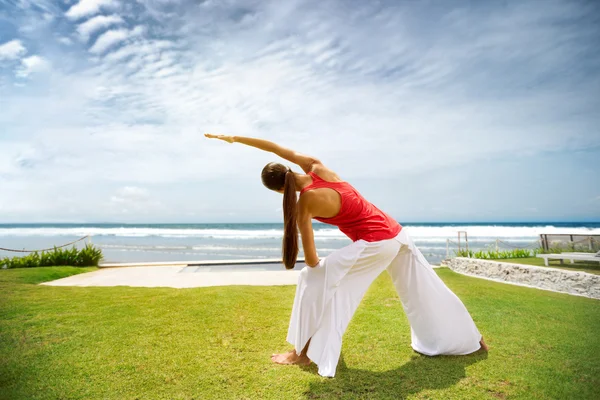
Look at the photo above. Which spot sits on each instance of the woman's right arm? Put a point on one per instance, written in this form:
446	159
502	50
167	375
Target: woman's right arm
305	162
311	258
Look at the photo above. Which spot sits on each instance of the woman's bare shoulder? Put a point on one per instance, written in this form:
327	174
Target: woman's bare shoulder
325	173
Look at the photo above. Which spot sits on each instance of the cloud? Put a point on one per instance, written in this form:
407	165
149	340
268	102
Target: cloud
133	199
12	50
113	37
130	193
65	40
31	65
89	7
97	23
410	91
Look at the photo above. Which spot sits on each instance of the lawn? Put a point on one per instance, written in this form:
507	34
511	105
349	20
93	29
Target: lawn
585	266
205	343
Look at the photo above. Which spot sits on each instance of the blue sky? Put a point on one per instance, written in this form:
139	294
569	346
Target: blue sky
435	110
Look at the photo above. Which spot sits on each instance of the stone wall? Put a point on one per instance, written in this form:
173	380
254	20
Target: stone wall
558	280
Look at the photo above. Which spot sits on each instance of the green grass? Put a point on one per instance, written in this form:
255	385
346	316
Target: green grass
586	266
39	274
205	343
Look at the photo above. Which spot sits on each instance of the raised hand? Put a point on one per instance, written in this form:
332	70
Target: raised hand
228	139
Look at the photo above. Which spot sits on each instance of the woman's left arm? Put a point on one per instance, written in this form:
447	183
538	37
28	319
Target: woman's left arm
311	258
303	161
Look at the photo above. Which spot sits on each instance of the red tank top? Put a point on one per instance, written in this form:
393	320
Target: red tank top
358	218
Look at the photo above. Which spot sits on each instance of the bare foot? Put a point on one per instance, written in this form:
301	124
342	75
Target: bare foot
483	345
290	358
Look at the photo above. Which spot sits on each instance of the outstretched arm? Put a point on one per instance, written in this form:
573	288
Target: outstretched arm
305	162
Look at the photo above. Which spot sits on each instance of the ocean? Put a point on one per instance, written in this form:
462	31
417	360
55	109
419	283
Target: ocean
199	242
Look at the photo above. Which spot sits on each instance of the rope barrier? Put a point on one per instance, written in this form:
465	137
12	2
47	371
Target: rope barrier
533	245
579	241
56	247
587	240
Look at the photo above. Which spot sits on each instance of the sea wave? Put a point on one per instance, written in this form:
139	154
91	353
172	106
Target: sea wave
424	233
196	248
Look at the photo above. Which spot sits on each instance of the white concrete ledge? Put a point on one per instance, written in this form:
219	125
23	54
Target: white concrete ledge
557	280
195	263
181	277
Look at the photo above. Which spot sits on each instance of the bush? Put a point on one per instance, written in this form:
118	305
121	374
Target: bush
496	255
561	249
89	256
465	253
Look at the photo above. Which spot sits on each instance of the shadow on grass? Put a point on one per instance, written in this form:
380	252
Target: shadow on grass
418	374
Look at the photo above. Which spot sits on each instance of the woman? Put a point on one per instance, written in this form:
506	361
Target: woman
330	289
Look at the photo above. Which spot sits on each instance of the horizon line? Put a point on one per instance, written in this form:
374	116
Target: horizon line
281	222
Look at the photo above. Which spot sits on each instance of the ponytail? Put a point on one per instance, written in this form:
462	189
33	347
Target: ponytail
290	225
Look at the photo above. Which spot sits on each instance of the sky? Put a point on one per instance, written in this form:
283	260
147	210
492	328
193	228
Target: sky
436	111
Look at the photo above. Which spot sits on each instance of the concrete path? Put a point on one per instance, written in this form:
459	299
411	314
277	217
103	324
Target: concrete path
180	275
185	276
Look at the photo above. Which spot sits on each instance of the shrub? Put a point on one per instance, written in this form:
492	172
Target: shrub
464	253
494	255
89	256
558	250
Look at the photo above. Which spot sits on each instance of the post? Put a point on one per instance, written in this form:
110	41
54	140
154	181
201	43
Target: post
448	248
459	241
590	243
572	243
467	241
544	241
496	246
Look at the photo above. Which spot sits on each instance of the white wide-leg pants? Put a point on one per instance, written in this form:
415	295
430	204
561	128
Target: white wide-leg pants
328	295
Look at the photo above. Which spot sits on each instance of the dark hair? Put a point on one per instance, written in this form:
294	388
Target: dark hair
276	176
